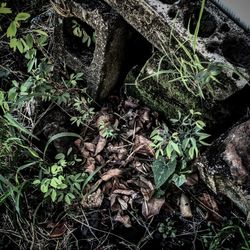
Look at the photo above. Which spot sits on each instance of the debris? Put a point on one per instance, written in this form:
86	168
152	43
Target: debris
152	207
185	207
93	200
210	203
90	165
58	230
124	219
100	145
111	173
143	146
192	180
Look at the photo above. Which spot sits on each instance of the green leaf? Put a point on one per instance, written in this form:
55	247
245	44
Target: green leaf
36	182
4	9
60	198
185	143
44	188
157	138
13	43
162	171
59	156
53	195
40	32
169	150
71	195
16	124
54	183
67	199
31	64
179	180
191	153
12	29
203	136
29	41
20	46
63	186
175	147
12	94
22	16
77	185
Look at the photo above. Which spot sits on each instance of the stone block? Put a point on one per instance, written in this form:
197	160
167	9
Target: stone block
101	62
225	167
220	40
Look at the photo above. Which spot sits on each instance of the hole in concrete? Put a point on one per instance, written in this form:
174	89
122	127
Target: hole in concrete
224	27
172	13
237	51
168	1
212	46
235	76
208	23
81	45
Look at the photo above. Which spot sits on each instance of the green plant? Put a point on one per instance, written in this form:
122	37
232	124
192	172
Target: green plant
167	229
184	65
56	183
175	149
231	230
107	131
86	113
79	31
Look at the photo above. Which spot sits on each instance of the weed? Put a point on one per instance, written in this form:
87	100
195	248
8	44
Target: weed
86	113
175	149
216	239
184	64
167	229
107	131
54	182
79	31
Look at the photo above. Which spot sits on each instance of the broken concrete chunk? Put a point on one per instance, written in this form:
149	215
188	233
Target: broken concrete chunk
219	39
101	61
225	167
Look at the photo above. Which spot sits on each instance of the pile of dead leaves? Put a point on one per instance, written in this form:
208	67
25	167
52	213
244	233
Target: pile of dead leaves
123	160
121	163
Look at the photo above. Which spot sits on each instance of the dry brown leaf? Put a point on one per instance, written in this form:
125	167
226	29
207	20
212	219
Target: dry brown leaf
132	132
145	116
124	219
58	230
123	192
103	120
90	165
122	153
85	153
209	201
141	167
100	145
185	207
93	200
90	146
114	204
143	146
192	180
152	207
147	188
100	159
130	104
111	173
123	203
78	143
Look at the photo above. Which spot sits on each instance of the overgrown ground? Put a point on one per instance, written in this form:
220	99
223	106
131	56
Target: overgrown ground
75	174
